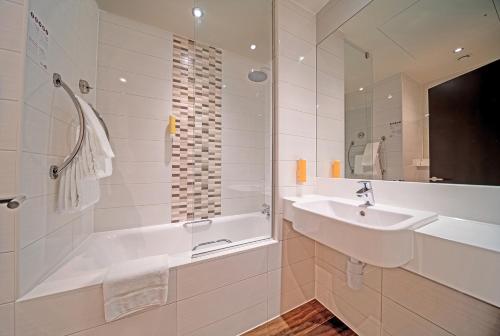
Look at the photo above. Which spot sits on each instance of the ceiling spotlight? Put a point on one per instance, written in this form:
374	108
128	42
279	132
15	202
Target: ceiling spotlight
253	46
361	89
301	58
389	96
457	50
197	12
123	80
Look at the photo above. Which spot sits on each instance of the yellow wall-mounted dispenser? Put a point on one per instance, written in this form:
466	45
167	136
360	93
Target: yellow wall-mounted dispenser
172	125
301	171
336	168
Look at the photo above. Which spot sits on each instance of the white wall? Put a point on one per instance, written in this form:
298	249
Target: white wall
11	64
296	139
136	112
48	133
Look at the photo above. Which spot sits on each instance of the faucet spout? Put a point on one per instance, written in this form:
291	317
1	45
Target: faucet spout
366	192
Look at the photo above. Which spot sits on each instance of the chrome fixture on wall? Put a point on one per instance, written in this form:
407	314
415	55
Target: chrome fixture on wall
13	202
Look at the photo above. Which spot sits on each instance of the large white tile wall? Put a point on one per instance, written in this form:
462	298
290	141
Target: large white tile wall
291	277
136	113
48	131
11	64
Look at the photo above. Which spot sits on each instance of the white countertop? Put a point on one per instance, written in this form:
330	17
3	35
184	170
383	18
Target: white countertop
464	231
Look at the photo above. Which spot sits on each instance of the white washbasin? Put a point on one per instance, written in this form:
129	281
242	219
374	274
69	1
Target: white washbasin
380	235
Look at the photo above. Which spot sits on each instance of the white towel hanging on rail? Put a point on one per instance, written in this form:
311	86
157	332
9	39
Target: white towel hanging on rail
79	185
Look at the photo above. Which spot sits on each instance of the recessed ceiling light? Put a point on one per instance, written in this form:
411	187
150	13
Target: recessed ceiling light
389	96
457	50
123	80
253	46
301	58
197	12
361	89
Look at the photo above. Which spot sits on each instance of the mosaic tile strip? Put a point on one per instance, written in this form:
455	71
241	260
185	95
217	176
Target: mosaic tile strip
197	145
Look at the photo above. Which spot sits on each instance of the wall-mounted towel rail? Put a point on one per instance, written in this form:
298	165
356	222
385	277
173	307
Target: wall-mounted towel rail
84	89
56	170
352	145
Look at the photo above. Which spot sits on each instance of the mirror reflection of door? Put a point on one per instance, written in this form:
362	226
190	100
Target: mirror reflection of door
464	128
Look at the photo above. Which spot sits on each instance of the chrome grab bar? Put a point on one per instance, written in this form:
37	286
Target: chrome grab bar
212	242
198	221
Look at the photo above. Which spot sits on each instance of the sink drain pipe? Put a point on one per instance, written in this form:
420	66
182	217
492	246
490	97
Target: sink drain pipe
355	270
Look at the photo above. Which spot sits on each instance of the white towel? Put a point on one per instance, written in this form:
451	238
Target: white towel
358	165
79	185
370	155
135	285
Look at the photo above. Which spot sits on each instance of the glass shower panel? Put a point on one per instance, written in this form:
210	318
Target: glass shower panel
361	148
232	122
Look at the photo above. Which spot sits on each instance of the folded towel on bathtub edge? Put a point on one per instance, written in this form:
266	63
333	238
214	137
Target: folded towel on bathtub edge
135	285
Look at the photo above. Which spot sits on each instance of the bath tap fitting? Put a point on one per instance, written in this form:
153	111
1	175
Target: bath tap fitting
266	210
366	192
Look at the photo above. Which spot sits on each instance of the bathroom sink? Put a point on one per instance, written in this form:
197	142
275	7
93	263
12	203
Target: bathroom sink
379	235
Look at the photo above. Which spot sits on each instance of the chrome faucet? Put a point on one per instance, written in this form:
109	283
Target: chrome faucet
366	193
266	210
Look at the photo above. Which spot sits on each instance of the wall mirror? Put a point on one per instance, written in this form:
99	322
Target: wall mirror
409	91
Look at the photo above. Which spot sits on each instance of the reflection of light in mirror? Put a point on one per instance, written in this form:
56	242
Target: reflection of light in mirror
301	58
197	12
389	96
361	89
123	80
253	46
457	50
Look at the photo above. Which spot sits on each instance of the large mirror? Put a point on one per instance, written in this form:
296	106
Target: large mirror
409	91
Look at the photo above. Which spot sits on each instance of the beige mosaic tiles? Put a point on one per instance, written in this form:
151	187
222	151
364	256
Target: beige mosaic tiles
197	145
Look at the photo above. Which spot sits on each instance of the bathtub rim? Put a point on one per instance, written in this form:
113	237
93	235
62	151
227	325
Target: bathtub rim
44	290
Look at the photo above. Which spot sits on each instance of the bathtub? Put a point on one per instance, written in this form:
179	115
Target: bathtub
185	243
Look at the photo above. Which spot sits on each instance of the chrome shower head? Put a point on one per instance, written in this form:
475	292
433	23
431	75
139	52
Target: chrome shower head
257	76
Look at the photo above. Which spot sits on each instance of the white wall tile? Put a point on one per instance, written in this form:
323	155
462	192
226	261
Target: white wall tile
399	321
296	20
161	321
122	195
199	311
37	259
9	121
7	280
453	311
7	230
220	272
237	323
10	81
7	319
129	217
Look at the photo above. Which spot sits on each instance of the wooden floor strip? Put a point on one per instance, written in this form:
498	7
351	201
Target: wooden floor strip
310	319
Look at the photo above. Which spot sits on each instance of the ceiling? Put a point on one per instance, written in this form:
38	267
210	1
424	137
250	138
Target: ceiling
228	24
418	37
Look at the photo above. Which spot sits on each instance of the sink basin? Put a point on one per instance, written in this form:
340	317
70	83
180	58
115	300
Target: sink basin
379	235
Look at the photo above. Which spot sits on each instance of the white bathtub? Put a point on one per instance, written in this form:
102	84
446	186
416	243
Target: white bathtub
87	265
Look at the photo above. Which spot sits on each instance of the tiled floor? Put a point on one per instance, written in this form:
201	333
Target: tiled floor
310	319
